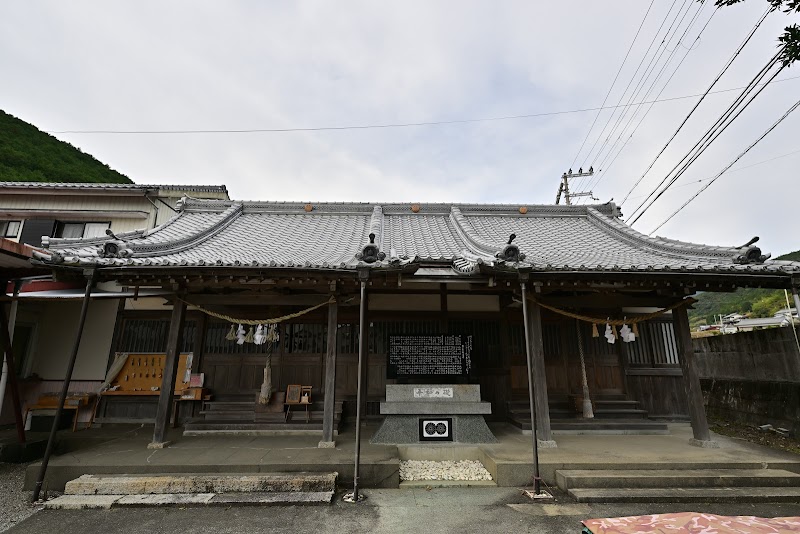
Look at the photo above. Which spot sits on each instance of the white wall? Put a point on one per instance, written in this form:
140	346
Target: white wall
57	328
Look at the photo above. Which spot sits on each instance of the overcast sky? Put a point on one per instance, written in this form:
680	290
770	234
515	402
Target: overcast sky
201	65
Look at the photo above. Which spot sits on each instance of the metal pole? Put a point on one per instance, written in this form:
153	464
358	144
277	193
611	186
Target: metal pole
12	321
12	373
537	481
796	301
363	346
64	388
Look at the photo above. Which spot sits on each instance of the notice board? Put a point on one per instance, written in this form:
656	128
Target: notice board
441	355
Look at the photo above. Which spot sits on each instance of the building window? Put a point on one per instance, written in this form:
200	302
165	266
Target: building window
80	229
10	228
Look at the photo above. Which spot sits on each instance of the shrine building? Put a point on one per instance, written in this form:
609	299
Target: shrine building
247	317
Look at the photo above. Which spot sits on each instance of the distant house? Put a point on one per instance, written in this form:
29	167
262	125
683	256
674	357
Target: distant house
30	210
741	323
47	309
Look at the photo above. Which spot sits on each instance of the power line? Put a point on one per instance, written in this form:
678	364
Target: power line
795	106
602	174
708	91
633	77
602	164
693	182
721	124
662	47
391	125
612	83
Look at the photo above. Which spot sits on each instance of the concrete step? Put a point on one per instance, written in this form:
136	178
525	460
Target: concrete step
616	403
105	502
699	495
200	483
197	428
619	413
228	405
599	426
675	478
227	415
643	428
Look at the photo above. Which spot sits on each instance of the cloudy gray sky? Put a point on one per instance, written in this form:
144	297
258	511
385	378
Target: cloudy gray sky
202	65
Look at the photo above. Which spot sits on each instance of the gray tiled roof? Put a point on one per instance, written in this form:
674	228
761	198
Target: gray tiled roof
465	236
113	186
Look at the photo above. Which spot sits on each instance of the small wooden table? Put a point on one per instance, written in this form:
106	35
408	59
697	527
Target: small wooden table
288	410
72	402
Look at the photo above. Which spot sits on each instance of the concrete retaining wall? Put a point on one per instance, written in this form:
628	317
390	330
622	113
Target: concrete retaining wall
752	377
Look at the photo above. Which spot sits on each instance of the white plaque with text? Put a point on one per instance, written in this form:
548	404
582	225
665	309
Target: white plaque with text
433	393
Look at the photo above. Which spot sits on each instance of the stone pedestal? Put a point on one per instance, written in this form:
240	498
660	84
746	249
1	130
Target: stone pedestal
409	408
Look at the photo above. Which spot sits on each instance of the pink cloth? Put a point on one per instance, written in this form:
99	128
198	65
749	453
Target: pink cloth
692	523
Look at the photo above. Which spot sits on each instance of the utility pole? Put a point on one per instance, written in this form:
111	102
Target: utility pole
563	187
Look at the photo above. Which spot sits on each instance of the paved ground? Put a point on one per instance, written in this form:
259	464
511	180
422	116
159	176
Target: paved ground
462	510
510	462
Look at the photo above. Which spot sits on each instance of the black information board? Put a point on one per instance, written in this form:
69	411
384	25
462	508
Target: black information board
444	355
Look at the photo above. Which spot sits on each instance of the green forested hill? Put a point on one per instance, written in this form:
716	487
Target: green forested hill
30	155
752	301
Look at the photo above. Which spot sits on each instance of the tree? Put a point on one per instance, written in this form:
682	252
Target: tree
789	42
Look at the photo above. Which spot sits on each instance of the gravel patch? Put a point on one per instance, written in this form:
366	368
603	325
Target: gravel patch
14	505
444	470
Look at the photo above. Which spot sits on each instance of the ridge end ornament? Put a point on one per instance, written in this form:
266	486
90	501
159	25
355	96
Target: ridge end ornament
371	253
114	247
510	252
748	253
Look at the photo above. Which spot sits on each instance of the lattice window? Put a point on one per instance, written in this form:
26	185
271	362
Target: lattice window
150	335
215	341
655	346
486	349
304	338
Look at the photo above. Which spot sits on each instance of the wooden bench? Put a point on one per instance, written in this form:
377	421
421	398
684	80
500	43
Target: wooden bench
72	402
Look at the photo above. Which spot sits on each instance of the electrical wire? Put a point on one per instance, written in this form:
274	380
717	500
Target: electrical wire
645	77
633	77
708	91
706	186
716	131
613	83
693	182
605	169
719	126
389	125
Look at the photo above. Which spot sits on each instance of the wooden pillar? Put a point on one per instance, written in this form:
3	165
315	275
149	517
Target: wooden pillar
538	375
165	397
10	371
330	378
691	382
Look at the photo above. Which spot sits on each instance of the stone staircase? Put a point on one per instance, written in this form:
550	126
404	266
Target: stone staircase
114	491
613	414
680	485
241	414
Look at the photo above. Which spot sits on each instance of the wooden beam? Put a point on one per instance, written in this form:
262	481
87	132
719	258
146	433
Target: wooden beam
691	381
174	340
330	378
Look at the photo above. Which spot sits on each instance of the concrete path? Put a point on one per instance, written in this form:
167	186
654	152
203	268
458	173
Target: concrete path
509	461
461	510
